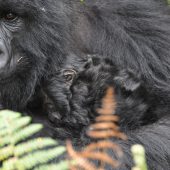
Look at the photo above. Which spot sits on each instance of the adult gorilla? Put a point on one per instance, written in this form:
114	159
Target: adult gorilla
34	36
37	35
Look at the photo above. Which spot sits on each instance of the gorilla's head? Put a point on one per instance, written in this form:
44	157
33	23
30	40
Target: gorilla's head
32	34
30	30
82	96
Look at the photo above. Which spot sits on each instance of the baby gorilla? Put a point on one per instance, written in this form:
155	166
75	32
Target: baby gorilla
80	88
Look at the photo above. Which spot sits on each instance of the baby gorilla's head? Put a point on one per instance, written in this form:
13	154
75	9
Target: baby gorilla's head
80	92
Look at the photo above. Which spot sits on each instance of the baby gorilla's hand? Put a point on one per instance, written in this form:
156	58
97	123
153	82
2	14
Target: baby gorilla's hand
59	105
62	127
57	94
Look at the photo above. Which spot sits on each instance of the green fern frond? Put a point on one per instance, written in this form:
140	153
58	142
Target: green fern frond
27	132
20	135
7	117
9	114
6	152
17	124
30	154
60	166
32	160
27	147
20	123
33	145
139	157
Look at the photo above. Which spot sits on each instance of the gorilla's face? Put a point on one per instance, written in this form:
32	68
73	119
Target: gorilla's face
15	36
87	91
10	27
22	51
28	31
30	35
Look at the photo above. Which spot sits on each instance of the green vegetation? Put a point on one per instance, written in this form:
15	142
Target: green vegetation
138	153
18	154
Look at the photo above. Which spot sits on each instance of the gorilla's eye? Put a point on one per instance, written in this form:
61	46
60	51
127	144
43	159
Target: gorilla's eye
69	75
10	16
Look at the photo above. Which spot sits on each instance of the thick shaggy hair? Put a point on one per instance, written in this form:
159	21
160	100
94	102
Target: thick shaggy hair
36	37
142	118
37	43
133	34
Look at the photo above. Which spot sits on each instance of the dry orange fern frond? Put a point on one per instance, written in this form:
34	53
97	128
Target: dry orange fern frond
103	130
105	126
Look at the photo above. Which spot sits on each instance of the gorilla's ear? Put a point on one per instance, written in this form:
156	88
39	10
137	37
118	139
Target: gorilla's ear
127	80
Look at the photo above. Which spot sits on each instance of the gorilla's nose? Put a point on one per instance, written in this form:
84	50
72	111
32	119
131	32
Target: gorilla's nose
4	55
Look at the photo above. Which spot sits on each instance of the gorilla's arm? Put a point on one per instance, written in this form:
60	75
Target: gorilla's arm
156	140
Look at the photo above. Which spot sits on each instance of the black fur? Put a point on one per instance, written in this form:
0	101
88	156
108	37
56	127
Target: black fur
39	35
142	117
133	34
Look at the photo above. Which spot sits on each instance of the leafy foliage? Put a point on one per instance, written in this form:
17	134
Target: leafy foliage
138	153
20	151
18	154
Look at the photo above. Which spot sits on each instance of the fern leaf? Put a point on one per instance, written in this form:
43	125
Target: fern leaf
6	117
139	157
27	132
30	154
20	135
33	145
3	132
9	114
26	147
64	165
32	160
4	141
16	125
20	123
6	152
